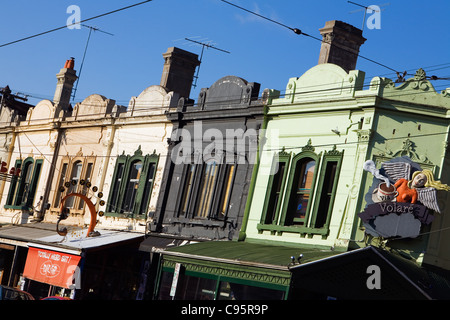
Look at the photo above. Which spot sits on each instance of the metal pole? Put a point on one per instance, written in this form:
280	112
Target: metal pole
13	267
81	66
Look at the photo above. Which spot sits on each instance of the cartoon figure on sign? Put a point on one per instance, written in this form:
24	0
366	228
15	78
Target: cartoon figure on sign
418	187
402	198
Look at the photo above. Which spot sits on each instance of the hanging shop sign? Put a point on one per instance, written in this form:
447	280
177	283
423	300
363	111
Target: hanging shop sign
8	175
51	267
402	198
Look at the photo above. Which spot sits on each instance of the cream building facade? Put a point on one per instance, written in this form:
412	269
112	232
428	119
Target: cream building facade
113	154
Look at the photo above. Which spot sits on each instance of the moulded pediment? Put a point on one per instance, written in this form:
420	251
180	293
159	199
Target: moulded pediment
94	106
153	99
324	80
227	90
43	112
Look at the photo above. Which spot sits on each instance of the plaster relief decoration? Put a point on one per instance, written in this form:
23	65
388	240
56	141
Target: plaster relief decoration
401	199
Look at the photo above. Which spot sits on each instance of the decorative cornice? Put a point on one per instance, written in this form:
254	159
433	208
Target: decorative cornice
233	273
408	149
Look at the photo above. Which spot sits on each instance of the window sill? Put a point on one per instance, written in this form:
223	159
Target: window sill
301	230
197	222
125	216
18	207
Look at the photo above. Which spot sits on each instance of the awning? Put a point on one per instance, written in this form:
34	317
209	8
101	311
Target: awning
248	253
77	242
313	272
51	267
44	236
260	264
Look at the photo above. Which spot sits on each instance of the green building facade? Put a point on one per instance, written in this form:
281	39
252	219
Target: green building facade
309	187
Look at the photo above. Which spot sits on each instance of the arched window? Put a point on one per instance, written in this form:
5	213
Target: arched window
22	191
24	185
132	185
208	179
206	190
307	198
301	192
72	171
74	179
275	188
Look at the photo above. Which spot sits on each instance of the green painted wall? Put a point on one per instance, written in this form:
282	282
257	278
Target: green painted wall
330	109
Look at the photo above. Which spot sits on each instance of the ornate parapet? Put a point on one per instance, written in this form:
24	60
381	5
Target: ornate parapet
417	89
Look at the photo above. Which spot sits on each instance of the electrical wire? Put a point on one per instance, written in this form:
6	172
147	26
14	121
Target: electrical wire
146	105
368	77
75	23
281	148
228	151
299	32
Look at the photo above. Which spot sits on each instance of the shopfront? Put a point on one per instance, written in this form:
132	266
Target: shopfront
203	286
229	270
104	267
14	241
59	271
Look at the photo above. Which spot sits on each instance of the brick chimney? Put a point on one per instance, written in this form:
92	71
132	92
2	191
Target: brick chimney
179	70
340	44
66	78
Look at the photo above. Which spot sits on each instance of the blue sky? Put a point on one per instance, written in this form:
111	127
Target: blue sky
413	34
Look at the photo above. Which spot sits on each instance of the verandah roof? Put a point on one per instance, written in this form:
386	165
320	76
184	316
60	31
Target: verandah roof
250	253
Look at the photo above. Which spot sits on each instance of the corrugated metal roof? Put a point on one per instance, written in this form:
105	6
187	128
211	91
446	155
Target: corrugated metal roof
21	234
44	235
77	239
264	254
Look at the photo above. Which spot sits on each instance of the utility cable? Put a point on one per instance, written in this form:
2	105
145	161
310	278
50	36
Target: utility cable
148	105
75	23
299	32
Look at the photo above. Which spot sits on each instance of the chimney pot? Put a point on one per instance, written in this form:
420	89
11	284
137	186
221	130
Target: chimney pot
70	64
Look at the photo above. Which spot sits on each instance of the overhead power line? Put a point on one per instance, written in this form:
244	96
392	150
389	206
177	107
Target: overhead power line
300	32
84	56
144	105
75	23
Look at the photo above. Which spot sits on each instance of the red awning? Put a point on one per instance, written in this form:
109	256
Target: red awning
51	267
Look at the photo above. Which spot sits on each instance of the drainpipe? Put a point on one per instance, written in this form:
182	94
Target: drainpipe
108	154
48	186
